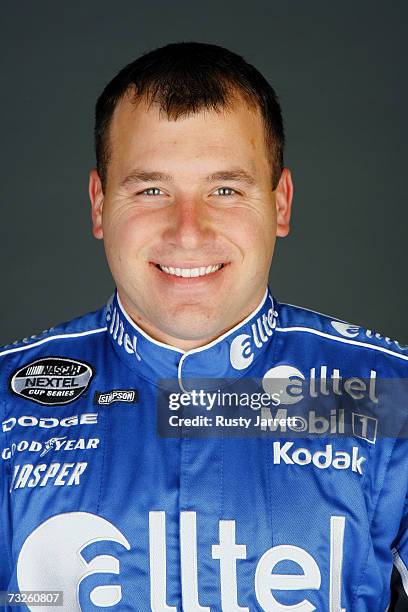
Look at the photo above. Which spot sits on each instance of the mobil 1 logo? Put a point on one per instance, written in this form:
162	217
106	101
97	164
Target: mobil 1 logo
52	380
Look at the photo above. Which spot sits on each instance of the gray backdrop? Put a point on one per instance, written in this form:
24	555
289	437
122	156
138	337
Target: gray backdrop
341	72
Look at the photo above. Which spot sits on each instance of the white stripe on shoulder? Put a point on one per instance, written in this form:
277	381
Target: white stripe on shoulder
50	338
401	567
323	314
317	332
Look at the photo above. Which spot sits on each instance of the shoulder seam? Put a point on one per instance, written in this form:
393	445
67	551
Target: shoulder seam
50	338
323	314
343	340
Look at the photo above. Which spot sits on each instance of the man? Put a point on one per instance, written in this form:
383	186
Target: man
189	195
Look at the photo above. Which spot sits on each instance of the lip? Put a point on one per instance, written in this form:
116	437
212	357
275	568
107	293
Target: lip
181	281
187	264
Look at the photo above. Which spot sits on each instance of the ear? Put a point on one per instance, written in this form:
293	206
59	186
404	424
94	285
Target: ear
96	197
283	201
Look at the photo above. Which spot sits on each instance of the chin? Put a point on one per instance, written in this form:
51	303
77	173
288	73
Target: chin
201	328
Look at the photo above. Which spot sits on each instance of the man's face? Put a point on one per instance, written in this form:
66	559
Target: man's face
182	199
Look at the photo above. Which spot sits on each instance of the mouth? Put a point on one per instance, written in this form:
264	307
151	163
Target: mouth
190	272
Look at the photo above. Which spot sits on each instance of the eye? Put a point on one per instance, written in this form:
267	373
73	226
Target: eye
225	191
152	191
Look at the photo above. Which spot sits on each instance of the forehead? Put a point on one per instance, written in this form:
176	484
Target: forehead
141	130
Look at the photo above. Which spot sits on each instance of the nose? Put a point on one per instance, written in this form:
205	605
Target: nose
190	226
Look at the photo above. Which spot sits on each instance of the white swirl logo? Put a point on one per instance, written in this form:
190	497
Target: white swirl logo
241	354
53	558
281	380
345	329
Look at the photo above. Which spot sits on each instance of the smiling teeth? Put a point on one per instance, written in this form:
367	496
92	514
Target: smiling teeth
190	272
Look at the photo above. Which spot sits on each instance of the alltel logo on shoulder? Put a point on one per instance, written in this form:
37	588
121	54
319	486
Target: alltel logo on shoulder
243	346
52	380
353	331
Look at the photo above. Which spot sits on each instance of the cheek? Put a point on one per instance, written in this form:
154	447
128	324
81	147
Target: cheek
129	233
253	231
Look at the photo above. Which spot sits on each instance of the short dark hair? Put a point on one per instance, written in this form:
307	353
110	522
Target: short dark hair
185	78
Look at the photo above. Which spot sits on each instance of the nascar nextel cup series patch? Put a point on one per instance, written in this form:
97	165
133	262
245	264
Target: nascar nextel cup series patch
51	380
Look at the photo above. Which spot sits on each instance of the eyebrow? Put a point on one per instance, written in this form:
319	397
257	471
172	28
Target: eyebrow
233	174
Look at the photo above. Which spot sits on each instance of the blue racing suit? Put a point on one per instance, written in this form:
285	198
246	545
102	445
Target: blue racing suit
97	505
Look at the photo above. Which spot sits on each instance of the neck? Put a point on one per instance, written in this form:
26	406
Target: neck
182	344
